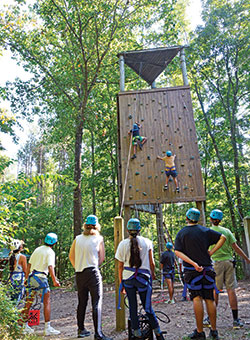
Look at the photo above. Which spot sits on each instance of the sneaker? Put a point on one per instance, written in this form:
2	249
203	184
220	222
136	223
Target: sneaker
27	329
195	335
102	337
237	324
206	322
159	336
165	187
213	334
134	156
184	298
82	333
177	189
170	302
51	331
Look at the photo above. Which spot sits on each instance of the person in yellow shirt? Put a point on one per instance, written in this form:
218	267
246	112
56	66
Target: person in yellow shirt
170	169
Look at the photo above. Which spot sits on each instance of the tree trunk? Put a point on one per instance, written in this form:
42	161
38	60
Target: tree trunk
93	172
77	179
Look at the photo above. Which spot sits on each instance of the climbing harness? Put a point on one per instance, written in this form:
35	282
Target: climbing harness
42	285
141	276
192	285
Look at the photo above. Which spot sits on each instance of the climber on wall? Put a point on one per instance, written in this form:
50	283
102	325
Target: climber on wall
170	169
137	138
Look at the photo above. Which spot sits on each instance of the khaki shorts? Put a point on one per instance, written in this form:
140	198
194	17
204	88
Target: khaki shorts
225	273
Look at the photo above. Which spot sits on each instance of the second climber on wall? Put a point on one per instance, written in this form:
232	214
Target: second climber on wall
170	169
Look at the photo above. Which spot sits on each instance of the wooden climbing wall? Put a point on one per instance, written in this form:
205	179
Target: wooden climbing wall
166	116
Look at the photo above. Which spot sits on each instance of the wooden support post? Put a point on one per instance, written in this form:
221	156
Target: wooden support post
160	232
183	67
247	237
247	233
200	206
122	73
118	237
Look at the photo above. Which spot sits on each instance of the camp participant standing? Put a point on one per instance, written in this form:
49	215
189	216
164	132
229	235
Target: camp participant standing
170	169
86	254
223	265
167	266
41	263
18	267
191	245
137	138
136	270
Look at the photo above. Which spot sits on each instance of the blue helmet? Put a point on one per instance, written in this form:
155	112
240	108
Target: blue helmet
169	245
50	239
193	214
91	220
169	153
216	214
134	224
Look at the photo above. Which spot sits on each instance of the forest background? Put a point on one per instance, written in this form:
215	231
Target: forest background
68	167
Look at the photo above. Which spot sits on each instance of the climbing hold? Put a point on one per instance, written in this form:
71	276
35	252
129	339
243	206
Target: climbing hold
166	139
151	147
170	144
190	129
184	107
153	100
137	173
190	175
152	139
172	106
180	146
167	125
130	197
162	132
155	119
142	164
175	131
130	117
135	98
182	164
137	190
142	119
130	186
159	103
144	193
148	157
125	137
156	176
192	157
141	104
192	189
162	171
129	104
185	187
179	117
149	177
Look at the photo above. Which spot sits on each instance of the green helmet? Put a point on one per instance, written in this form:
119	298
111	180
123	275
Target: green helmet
134	224
91	220
193	214
216	214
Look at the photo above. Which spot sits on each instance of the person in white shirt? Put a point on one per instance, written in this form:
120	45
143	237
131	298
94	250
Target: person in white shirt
86	254
136	269
41	262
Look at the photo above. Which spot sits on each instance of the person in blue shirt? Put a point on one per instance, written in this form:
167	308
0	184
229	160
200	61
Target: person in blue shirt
167	261
137	138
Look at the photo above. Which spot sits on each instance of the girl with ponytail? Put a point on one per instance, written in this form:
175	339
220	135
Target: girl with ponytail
136	270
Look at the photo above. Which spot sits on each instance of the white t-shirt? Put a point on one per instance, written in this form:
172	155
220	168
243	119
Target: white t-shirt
123	254
87	251
42	258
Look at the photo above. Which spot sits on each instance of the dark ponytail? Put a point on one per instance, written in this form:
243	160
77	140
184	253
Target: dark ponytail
135	259
12	260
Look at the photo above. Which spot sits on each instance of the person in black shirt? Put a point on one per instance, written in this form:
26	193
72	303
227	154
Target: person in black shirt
167	267
191	245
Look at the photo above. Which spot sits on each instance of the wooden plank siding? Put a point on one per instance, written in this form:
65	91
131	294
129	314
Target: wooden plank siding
166	116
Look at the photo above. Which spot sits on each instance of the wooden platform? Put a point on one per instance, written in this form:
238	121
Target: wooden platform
166	116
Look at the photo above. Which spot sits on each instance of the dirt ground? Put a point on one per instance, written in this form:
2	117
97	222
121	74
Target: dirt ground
64	303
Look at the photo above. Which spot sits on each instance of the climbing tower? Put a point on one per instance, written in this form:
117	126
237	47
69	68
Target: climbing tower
166	118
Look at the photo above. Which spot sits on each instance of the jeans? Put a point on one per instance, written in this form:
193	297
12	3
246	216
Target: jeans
133	308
